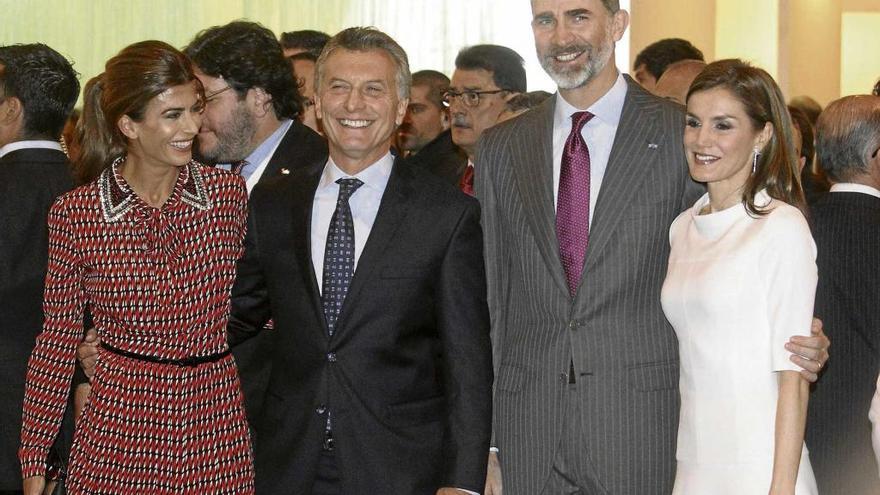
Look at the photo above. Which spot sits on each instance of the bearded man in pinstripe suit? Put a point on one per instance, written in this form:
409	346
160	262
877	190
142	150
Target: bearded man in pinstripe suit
576	211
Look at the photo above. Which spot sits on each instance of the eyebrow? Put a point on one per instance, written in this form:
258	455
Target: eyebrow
173	109
574	12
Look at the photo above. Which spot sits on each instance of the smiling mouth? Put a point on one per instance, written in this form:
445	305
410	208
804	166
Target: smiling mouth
355	124
182	145
567	57
705	159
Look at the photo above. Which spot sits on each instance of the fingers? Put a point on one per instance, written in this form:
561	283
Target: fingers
809	368
91	336
493	476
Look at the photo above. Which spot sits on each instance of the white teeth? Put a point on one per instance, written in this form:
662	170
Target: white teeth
182	145
705	158
567	57
354	123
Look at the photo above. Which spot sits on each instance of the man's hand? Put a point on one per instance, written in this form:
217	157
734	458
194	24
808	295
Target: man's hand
810	353
493	476
34	485
451	491
87	352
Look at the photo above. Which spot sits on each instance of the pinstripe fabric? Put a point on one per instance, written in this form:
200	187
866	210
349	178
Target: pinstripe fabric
846	226
614	331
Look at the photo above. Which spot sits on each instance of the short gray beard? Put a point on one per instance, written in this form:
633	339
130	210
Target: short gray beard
579	78
234	142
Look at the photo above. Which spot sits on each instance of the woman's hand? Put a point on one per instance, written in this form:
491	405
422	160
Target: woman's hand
34	485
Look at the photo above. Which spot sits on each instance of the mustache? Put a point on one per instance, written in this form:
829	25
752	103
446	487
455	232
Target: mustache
557	50
459	120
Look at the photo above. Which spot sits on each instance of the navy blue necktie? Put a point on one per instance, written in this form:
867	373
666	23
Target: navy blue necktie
338	254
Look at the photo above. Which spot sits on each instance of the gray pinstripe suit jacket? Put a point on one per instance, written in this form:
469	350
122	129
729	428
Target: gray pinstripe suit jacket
624	352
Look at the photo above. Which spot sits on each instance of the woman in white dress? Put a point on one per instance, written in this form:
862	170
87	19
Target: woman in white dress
741	280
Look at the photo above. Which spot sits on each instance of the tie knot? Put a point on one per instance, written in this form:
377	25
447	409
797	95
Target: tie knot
347	187
580	119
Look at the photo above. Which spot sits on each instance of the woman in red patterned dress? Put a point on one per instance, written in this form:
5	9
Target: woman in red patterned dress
151	247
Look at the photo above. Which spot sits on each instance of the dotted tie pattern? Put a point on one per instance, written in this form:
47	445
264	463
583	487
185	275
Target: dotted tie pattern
466	184
573	202
338	254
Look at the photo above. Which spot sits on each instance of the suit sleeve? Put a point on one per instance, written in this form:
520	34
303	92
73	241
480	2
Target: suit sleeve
464	329
497	254
52	361
250	308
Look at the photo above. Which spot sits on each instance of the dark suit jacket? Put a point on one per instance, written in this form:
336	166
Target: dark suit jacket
300	147
624	352
442	158
407	373
30	180
846	227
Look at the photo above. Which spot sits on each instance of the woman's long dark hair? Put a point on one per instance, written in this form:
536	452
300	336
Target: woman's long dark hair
131	79
777	169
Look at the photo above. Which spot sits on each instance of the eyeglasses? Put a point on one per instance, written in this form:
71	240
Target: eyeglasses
211	96
468	98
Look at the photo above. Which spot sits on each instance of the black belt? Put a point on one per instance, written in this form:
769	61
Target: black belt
185	362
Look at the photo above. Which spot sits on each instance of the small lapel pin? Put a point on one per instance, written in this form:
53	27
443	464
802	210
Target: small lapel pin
653	146
285	171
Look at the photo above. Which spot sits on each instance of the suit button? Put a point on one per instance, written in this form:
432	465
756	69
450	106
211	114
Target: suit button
320	410
331	356
572	325
563	377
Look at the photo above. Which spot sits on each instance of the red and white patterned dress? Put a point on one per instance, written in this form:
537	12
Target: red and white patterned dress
157	282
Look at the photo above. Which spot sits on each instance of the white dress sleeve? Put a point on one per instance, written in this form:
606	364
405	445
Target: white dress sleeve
788	267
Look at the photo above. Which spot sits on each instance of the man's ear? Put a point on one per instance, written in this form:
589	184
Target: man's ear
261	101
12	111
510	95
128	127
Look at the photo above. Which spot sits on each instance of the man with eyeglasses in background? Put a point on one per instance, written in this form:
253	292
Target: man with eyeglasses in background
485	77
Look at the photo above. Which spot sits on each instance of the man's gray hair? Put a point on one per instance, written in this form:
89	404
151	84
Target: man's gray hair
362	39
847	133
612	5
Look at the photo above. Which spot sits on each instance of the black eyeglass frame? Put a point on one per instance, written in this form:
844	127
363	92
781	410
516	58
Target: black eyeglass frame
448	96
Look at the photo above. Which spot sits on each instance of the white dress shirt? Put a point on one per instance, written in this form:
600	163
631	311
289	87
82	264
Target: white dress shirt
598	133
37	143
859	188
364	204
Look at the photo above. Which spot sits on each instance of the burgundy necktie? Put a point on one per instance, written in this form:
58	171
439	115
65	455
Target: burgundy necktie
467	180
573	202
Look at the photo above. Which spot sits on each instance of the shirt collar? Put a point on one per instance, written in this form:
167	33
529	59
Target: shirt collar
607	108
36	143
375	176
859	188
262	151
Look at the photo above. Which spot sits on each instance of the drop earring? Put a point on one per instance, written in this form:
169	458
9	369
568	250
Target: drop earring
755	155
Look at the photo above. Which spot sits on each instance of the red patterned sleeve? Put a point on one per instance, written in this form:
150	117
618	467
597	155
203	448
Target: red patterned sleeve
52	362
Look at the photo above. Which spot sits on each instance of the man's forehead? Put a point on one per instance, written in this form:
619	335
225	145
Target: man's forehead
563	6
472	79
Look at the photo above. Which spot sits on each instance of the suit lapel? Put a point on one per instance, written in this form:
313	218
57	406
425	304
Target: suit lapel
634	151
533	162
392	211
302	195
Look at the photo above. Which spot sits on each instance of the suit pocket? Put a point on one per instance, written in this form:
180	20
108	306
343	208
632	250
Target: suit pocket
654	376
510	378
417	412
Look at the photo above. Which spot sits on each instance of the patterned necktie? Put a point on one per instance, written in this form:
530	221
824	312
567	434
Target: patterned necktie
338	254
467	180
573	202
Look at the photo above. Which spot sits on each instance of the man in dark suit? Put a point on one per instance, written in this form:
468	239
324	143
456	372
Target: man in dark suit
424	134
250	125
846	227
373	274
577	196
38	88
